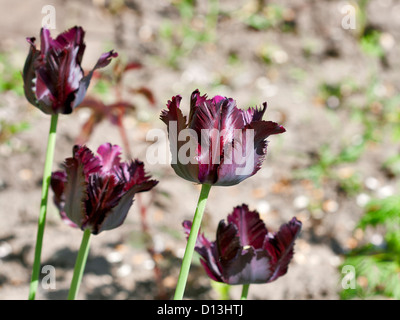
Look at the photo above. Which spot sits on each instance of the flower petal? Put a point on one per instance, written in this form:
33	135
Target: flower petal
254	114
138	182
176	122
134	175
77	169
250	266
90	163
263	129
280	248
104	193
103	61
251	229
239	265
208	252
75	191
215	121
28	73
109	156
228	242
57	183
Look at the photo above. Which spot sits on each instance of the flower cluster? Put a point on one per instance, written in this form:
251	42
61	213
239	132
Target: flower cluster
218	144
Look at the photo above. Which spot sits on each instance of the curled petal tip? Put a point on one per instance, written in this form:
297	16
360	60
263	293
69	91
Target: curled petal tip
105	59
31	40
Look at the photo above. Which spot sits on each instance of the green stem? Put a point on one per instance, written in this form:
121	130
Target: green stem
51	142
245	292
187	257
80	265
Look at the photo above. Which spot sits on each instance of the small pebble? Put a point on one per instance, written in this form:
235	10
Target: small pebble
377	239
333	102
114	257
363	199
5	249
263	207
330	206
371	183
385	191
149	264
124	270
301	202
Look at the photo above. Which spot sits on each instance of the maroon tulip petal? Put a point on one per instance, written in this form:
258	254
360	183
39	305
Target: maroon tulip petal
116	216
77	171
90	163
250	266
58	80
254	114
103	61
263	129
238	264
57	183
104	193
251	229
75	191
176	122
208	252
240	160
29	72
109	156
214	121
228	242
280	248
134	175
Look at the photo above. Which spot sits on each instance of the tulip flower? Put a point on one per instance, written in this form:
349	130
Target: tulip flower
53	77
227	144
218	144
244	252
95	194
54	82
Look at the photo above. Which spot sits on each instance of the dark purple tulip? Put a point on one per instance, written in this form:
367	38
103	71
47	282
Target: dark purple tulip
53	77
226	144
96	192
244	251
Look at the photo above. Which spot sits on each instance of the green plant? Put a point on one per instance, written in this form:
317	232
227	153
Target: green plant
9	129
10	79
326	162
181	37
377	267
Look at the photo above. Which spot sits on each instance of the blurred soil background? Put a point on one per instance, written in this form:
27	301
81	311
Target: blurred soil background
335	90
